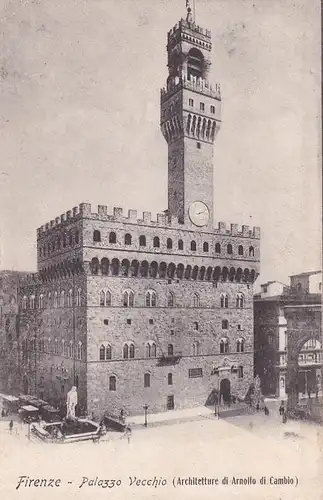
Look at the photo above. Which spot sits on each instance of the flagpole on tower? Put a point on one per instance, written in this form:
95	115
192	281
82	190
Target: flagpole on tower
190	14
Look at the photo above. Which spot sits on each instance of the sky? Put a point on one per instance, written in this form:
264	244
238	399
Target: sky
79	117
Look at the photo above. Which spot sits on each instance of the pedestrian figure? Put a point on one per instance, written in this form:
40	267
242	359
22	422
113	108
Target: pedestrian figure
3	413
316	393
257	406
281	409
309	394
128	434
284	417
266	411
10	426
122	415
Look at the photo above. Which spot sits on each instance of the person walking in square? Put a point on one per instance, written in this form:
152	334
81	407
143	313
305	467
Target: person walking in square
10	426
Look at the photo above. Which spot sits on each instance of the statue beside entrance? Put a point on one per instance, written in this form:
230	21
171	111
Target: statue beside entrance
71	403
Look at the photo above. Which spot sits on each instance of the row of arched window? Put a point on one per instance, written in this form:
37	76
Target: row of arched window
67	239
55	346
128	299
55	300
170	245
128	350
144	269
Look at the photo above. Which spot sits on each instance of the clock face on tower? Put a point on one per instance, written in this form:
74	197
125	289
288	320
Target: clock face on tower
199	213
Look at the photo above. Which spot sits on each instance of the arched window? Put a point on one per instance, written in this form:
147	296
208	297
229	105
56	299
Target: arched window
180	245
170	350
62	299
196	348
239	300
24	302
153	269
170	379
112	237
142	241
195	272
128	298
180	271
115	267
229	249
170	299
129	350
251	252
151	298
41	301
224	346
32	302
193	246
127	239
112	383
96	236
218	248
95	266
240	345
240	250
224	300
105	352
156	242
205	246
225	324
147	380
105	298
55	300
169	243
70	298
105	266
195	64
196	300
78	298
144	268
196	326
150	349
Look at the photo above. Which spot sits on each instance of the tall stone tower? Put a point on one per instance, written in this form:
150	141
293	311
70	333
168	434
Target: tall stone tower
190	120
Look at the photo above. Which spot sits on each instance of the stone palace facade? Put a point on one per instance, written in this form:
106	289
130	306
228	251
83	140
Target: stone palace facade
140	312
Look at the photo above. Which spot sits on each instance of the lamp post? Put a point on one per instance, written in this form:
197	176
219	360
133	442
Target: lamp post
146	410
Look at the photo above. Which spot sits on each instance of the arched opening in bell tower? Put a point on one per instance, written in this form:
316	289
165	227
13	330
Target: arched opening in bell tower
195	63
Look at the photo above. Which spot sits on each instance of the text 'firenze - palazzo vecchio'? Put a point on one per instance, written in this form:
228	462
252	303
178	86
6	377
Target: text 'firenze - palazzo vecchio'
140	312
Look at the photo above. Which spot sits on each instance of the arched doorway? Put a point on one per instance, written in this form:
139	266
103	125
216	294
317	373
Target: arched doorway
225	390
303	335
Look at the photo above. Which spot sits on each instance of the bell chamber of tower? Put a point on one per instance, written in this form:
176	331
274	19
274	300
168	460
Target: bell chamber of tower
190	120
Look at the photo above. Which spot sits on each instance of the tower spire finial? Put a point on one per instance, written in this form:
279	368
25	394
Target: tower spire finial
189	17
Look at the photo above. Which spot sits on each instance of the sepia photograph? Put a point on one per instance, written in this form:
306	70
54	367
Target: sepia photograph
160	249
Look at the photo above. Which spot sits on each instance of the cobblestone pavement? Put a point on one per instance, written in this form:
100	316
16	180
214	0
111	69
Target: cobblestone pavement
249	447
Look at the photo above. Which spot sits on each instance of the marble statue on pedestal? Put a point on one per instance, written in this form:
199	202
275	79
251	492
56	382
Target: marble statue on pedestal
71	403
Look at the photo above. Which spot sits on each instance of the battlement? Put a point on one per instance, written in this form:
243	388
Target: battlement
195	84
200	85
191	28
163	220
